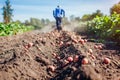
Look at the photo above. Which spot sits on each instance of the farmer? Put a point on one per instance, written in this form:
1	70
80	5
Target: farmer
58	14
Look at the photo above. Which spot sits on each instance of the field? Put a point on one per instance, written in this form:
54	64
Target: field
86	48
56	55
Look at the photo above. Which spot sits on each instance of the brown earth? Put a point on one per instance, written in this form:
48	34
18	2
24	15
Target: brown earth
46	57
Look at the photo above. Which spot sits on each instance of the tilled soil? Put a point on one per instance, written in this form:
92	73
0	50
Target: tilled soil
57	56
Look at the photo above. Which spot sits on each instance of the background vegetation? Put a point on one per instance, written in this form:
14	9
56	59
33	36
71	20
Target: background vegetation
8	27
107	27
13	29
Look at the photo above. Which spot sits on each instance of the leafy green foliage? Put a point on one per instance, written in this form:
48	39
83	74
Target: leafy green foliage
106	26
13	29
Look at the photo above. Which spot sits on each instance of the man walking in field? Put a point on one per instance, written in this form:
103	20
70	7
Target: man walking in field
58	14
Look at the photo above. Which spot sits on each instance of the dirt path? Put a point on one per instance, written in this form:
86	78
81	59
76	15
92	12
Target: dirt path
44	56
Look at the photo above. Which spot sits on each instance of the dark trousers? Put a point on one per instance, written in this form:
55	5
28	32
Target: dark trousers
58	23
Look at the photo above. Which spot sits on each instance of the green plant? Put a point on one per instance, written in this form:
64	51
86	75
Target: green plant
106	26
13	29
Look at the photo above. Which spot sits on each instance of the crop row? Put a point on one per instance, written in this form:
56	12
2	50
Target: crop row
13	29
106	27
